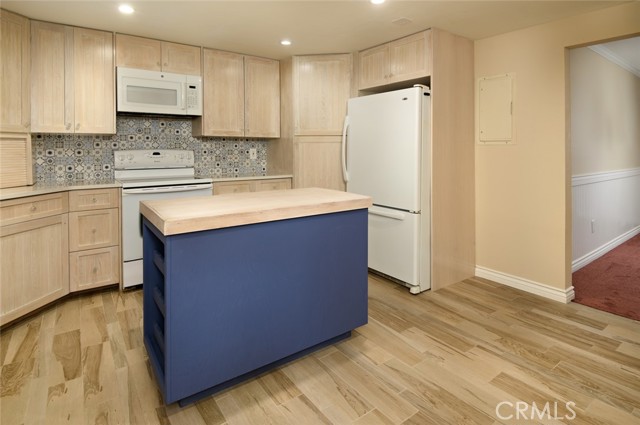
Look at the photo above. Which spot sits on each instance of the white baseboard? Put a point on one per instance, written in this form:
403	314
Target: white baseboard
564	296
579	263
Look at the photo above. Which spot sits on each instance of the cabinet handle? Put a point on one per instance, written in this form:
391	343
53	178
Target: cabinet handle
33	208
94	200
78	126
68	126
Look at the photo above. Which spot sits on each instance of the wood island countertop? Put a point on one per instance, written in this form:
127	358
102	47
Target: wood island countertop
185	215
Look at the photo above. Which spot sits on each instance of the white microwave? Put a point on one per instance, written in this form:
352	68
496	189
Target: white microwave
154	92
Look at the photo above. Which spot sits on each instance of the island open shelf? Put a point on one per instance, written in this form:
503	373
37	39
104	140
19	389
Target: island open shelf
225	299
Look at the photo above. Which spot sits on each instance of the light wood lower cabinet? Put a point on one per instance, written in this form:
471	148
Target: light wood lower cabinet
94	238
94	268
34	262
54	244
240	186
317	162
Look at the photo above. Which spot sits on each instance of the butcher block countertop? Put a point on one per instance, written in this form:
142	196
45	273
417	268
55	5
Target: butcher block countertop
185	215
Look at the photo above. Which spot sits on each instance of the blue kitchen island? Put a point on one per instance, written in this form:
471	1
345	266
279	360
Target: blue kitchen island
237	284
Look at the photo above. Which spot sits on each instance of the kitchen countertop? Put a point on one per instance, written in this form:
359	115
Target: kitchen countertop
184	215
45	188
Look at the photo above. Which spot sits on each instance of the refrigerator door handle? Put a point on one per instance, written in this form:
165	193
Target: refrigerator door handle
345	174
387	214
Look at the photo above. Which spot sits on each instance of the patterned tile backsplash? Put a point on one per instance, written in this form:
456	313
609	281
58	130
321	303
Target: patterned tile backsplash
87	158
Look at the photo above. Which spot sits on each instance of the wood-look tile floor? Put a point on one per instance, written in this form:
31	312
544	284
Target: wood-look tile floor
474	353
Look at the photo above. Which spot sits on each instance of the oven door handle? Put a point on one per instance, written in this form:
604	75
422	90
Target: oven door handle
168	189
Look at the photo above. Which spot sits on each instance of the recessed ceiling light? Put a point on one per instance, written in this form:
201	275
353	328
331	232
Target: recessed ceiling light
285	42
126	9
377	1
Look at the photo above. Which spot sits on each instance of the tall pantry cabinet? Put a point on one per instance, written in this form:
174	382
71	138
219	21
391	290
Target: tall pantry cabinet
315	91
72	80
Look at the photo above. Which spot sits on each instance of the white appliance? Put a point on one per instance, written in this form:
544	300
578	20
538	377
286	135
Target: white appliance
154	92
386	154
150	175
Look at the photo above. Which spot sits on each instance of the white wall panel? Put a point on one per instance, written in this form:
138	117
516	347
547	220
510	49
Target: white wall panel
606	212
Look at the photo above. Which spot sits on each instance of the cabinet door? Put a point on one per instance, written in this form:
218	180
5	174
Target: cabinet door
272	184
223	95
94	229
51	78
94	268
373	66
181	58
321	89
317	162
262	97
15	65
28	284
94	87
410	57
220	188
138	52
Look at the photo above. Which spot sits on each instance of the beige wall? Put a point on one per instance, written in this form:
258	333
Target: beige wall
605	114
523	208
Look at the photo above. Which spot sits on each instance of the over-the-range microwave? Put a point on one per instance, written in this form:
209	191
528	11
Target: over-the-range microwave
140	90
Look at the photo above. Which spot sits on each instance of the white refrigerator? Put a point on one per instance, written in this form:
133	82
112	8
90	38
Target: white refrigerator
386	154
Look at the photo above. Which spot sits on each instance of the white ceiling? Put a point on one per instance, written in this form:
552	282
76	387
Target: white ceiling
256	27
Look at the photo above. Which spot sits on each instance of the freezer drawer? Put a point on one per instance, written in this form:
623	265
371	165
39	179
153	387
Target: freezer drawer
394	244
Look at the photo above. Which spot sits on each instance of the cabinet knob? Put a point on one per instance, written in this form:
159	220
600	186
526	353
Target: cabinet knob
33	208
68	126
94	200
78	126
94	270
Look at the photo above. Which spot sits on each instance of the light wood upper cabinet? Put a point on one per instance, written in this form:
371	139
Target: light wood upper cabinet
51	78
223	95
374	66
93	78
262	97
156	55
15	64
241	96
321	89
72	80
181	58
404	59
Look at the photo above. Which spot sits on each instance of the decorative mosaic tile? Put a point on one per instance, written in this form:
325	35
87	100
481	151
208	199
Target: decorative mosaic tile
89	158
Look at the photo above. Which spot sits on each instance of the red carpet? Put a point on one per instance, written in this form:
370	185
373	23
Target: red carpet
612	282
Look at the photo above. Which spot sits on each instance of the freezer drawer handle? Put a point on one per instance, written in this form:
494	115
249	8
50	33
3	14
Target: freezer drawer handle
387	214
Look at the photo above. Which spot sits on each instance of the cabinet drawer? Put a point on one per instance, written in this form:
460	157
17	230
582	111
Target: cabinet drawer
94	268
33	207
272	184
93	229
93	199
231	187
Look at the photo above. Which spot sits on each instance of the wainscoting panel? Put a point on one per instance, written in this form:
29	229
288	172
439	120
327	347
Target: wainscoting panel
606	213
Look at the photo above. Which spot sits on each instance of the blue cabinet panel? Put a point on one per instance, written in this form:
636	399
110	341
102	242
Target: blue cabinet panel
219	304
